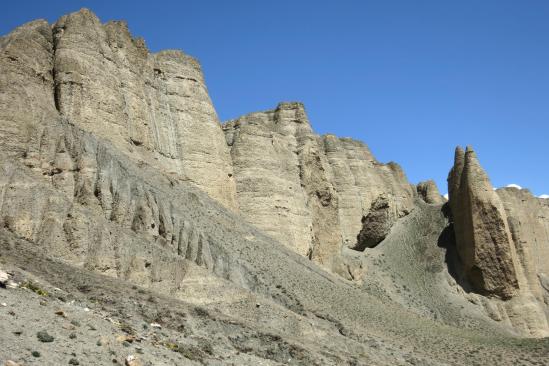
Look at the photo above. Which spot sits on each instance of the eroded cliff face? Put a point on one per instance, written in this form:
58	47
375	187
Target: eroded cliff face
307	191
154	107
483	238
498	257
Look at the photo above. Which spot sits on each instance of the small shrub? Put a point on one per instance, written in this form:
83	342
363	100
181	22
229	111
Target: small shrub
34	288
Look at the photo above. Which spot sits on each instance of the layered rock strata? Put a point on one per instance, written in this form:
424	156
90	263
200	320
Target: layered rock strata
501	237
153	107
483	238
308	191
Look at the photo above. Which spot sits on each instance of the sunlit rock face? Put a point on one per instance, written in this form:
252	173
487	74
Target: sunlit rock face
154	107
500	237
310	192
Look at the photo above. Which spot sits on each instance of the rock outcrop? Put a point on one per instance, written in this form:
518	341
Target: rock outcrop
428	192
377	224
309	192
483	238
154	107
499	257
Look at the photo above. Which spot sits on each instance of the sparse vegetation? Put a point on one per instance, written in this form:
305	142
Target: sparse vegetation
34	288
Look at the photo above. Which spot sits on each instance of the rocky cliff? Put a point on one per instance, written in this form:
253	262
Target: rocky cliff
311	192
153	107
499	257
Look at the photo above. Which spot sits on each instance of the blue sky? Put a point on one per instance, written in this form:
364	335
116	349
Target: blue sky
412	79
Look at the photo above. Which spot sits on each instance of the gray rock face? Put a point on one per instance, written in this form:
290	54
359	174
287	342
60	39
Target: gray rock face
154	107
307	191
501	237
428	192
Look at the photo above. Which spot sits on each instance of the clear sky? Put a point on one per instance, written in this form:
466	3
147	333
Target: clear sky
412	79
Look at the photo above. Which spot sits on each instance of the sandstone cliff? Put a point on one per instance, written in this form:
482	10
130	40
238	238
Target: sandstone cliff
483	239
153	107
498	257
309	192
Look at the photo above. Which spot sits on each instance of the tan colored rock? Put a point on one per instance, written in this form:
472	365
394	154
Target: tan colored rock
307	191
132	360
4	277
26	84
528	220
428	192
359	180
483	239
154	107
264	150
501	237
11	363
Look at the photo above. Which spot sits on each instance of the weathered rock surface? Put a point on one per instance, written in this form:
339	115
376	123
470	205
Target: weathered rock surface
483	238
307	191
359	179
153	107
428	192
377	224
498	256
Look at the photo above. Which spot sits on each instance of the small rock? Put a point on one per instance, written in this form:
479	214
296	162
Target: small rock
155	325
43	336
4	277
4	304
60	313
74	361
131	360
12	284
11	363
75	322
125	338
35	354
